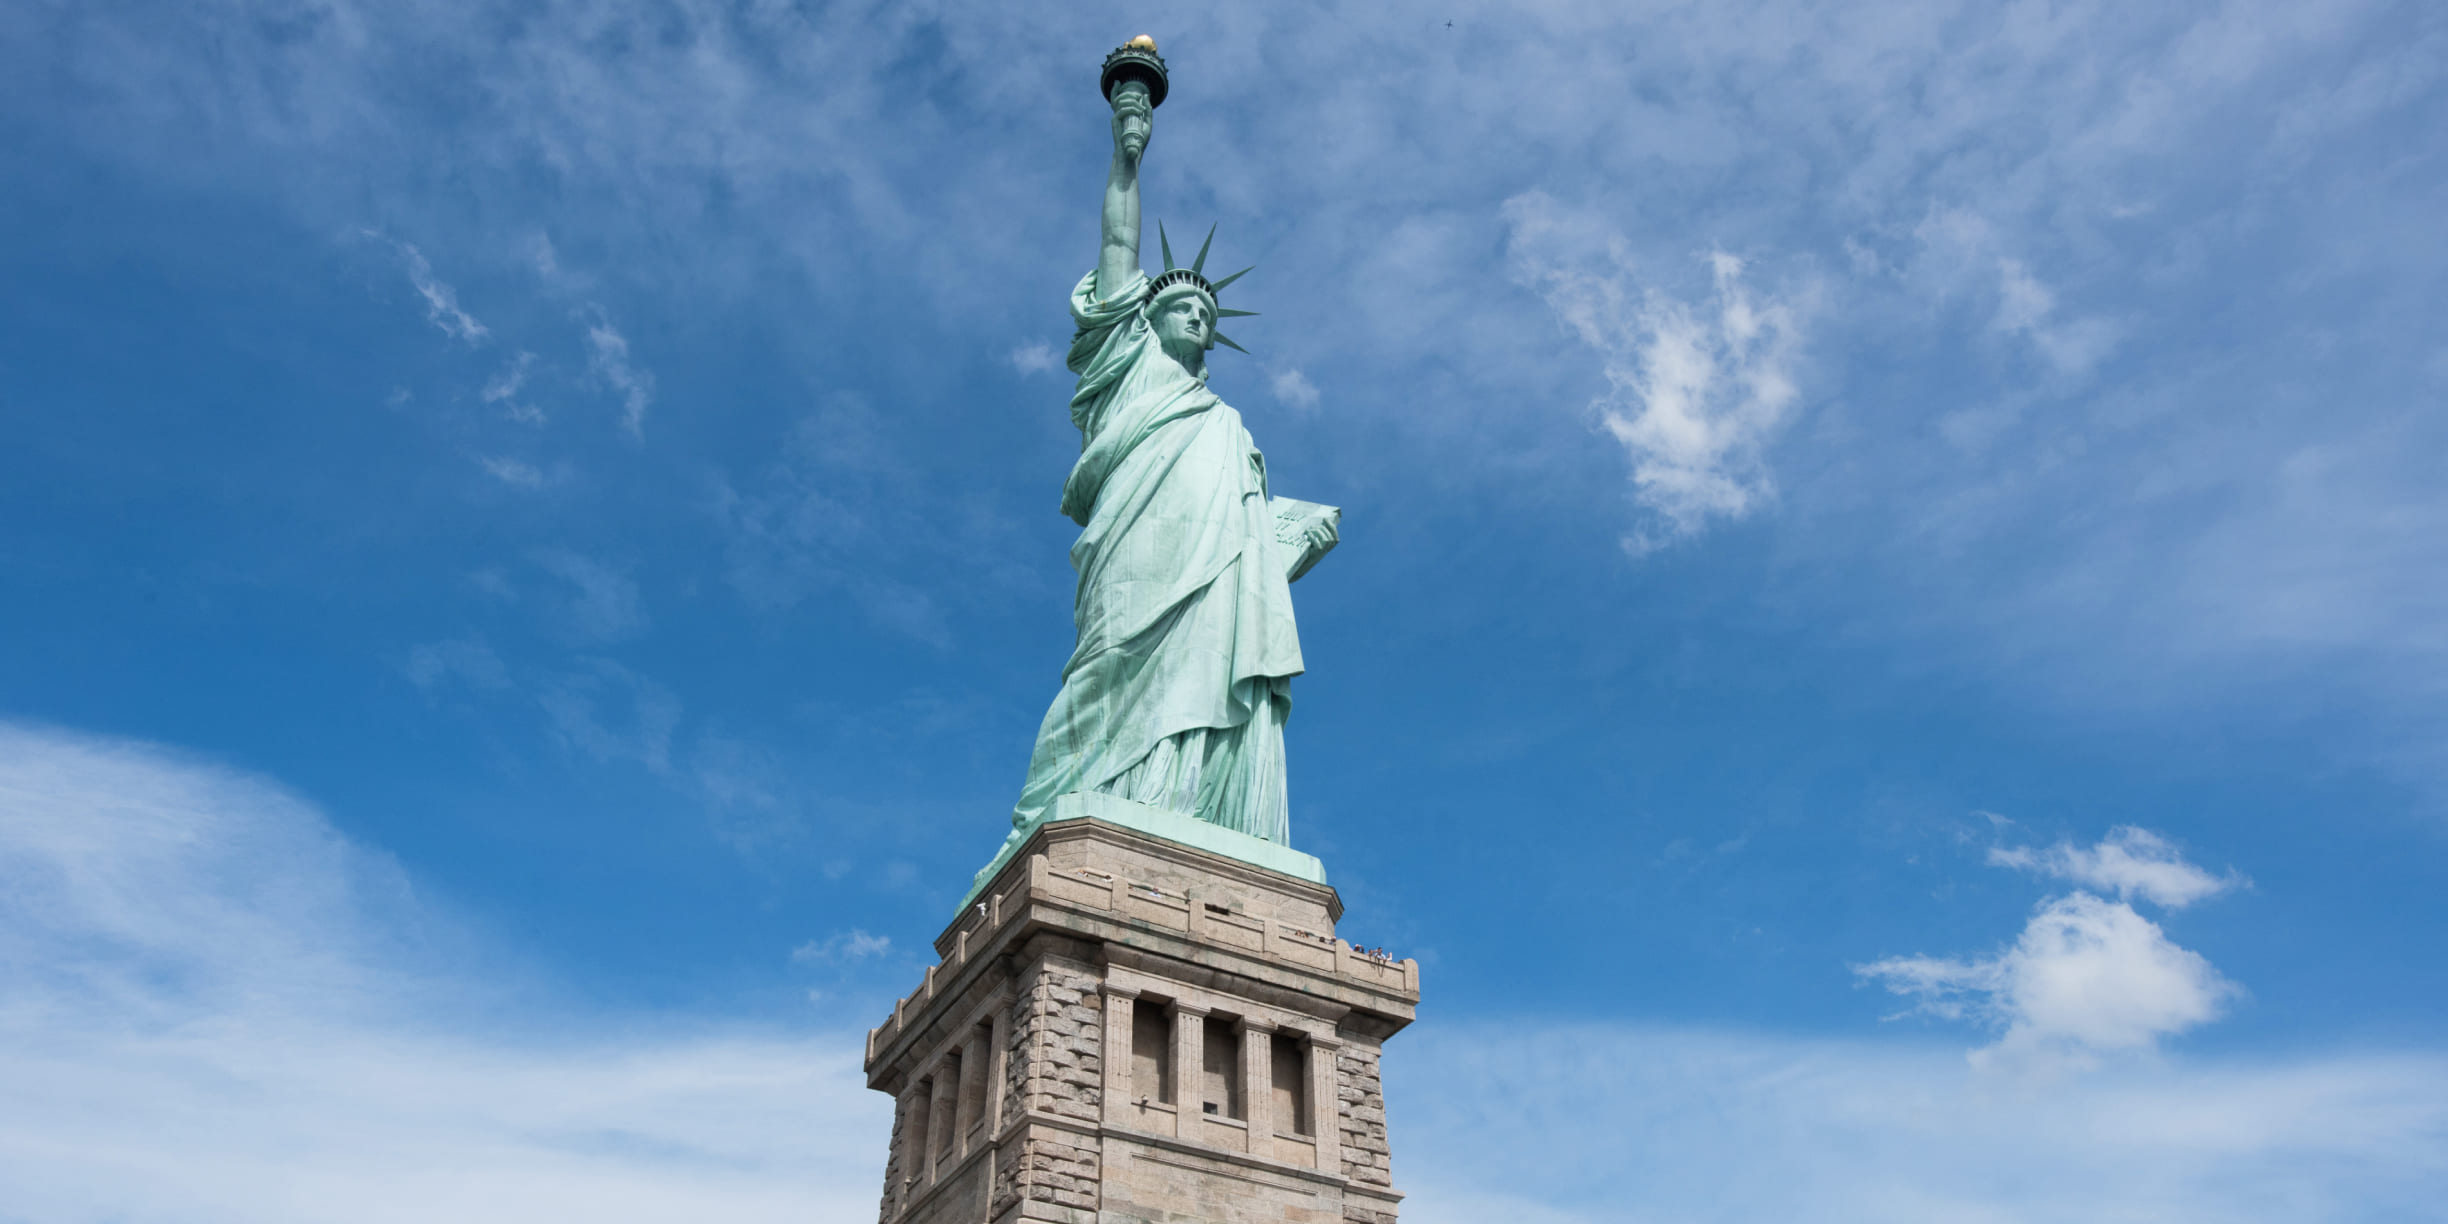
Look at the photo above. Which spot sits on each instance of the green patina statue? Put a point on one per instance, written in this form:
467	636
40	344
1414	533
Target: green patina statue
1177	693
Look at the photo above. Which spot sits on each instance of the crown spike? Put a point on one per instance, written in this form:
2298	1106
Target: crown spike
1219	285
1222	313
1167	244
1200	264
1221	338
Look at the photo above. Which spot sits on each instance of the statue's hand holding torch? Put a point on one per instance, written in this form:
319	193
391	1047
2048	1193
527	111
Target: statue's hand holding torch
1133	117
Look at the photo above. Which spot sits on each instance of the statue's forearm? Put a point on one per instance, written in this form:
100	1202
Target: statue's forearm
1118	257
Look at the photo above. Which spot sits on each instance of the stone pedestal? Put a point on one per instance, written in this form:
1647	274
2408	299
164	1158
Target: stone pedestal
1127	1029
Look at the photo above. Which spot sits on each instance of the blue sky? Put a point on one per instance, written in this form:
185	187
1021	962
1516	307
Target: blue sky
1886	655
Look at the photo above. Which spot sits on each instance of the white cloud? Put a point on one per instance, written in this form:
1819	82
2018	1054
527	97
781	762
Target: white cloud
605	605
441	301
1962	253
1696	391
513	472
215	1008
2129	862
841	509
749	796
1036	357
610	361
611	713
841	948
504	386
431	664
2088	977
1528	1119
1294	389
544	259
493	584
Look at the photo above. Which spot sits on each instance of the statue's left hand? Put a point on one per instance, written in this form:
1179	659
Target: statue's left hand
1320	537
1315	540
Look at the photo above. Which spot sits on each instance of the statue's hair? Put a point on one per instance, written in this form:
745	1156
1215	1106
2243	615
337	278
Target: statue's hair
1159	294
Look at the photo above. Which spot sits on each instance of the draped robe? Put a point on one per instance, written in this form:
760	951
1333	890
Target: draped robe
1177	692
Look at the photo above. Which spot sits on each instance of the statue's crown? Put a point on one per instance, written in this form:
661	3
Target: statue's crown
1195	276
1181	276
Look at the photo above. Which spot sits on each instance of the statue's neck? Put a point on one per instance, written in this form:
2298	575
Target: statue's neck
1191	358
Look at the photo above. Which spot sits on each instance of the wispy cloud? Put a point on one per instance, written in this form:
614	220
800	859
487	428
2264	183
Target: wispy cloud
179	941
468	661
749	796
1656	1124
611	713
1963	255
1294	389
441	301
503	389
2129	862
604	604
609	359
516	473
837	510
841	948
1696	390
1036	357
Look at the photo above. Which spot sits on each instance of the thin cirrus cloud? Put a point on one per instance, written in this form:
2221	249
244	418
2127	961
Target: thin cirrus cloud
1559	1123
1294	389
216	1008
1036	357
608	357
840	948
604	603
503	390
2128	417
516	473
2130	861
441	301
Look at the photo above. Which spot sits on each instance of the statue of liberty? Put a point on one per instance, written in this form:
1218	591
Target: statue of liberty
1177	692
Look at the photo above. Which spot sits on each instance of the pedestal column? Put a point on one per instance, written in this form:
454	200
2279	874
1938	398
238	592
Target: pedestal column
1324	1102
941	1111
1119	1003
1189	1067
1258	1084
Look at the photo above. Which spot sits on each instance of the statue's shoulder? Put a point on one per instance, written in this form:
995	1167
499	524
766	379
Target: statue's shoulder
1094	305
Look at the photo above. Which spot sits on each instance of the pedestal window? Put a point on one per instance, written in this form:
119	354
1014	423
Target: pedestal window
1289	1062
1220	1072
1152	1052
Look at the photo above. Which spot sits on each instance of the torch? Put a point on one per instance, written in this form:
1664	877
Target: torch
1135	65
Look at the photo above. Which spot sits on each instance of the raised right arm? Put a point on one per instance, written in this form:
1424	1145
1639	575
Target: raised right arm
1118	254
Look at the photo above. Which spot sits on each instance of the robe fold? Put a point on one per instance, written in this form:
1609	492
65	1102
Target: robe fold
1177	692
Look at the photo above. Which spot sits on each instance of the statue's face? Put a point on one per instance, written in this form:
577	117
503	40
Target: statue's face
1185	324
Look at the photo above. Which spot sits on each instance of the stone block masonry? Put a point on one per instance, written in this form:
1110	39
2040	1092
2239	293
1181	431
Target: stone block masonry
1124	1029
